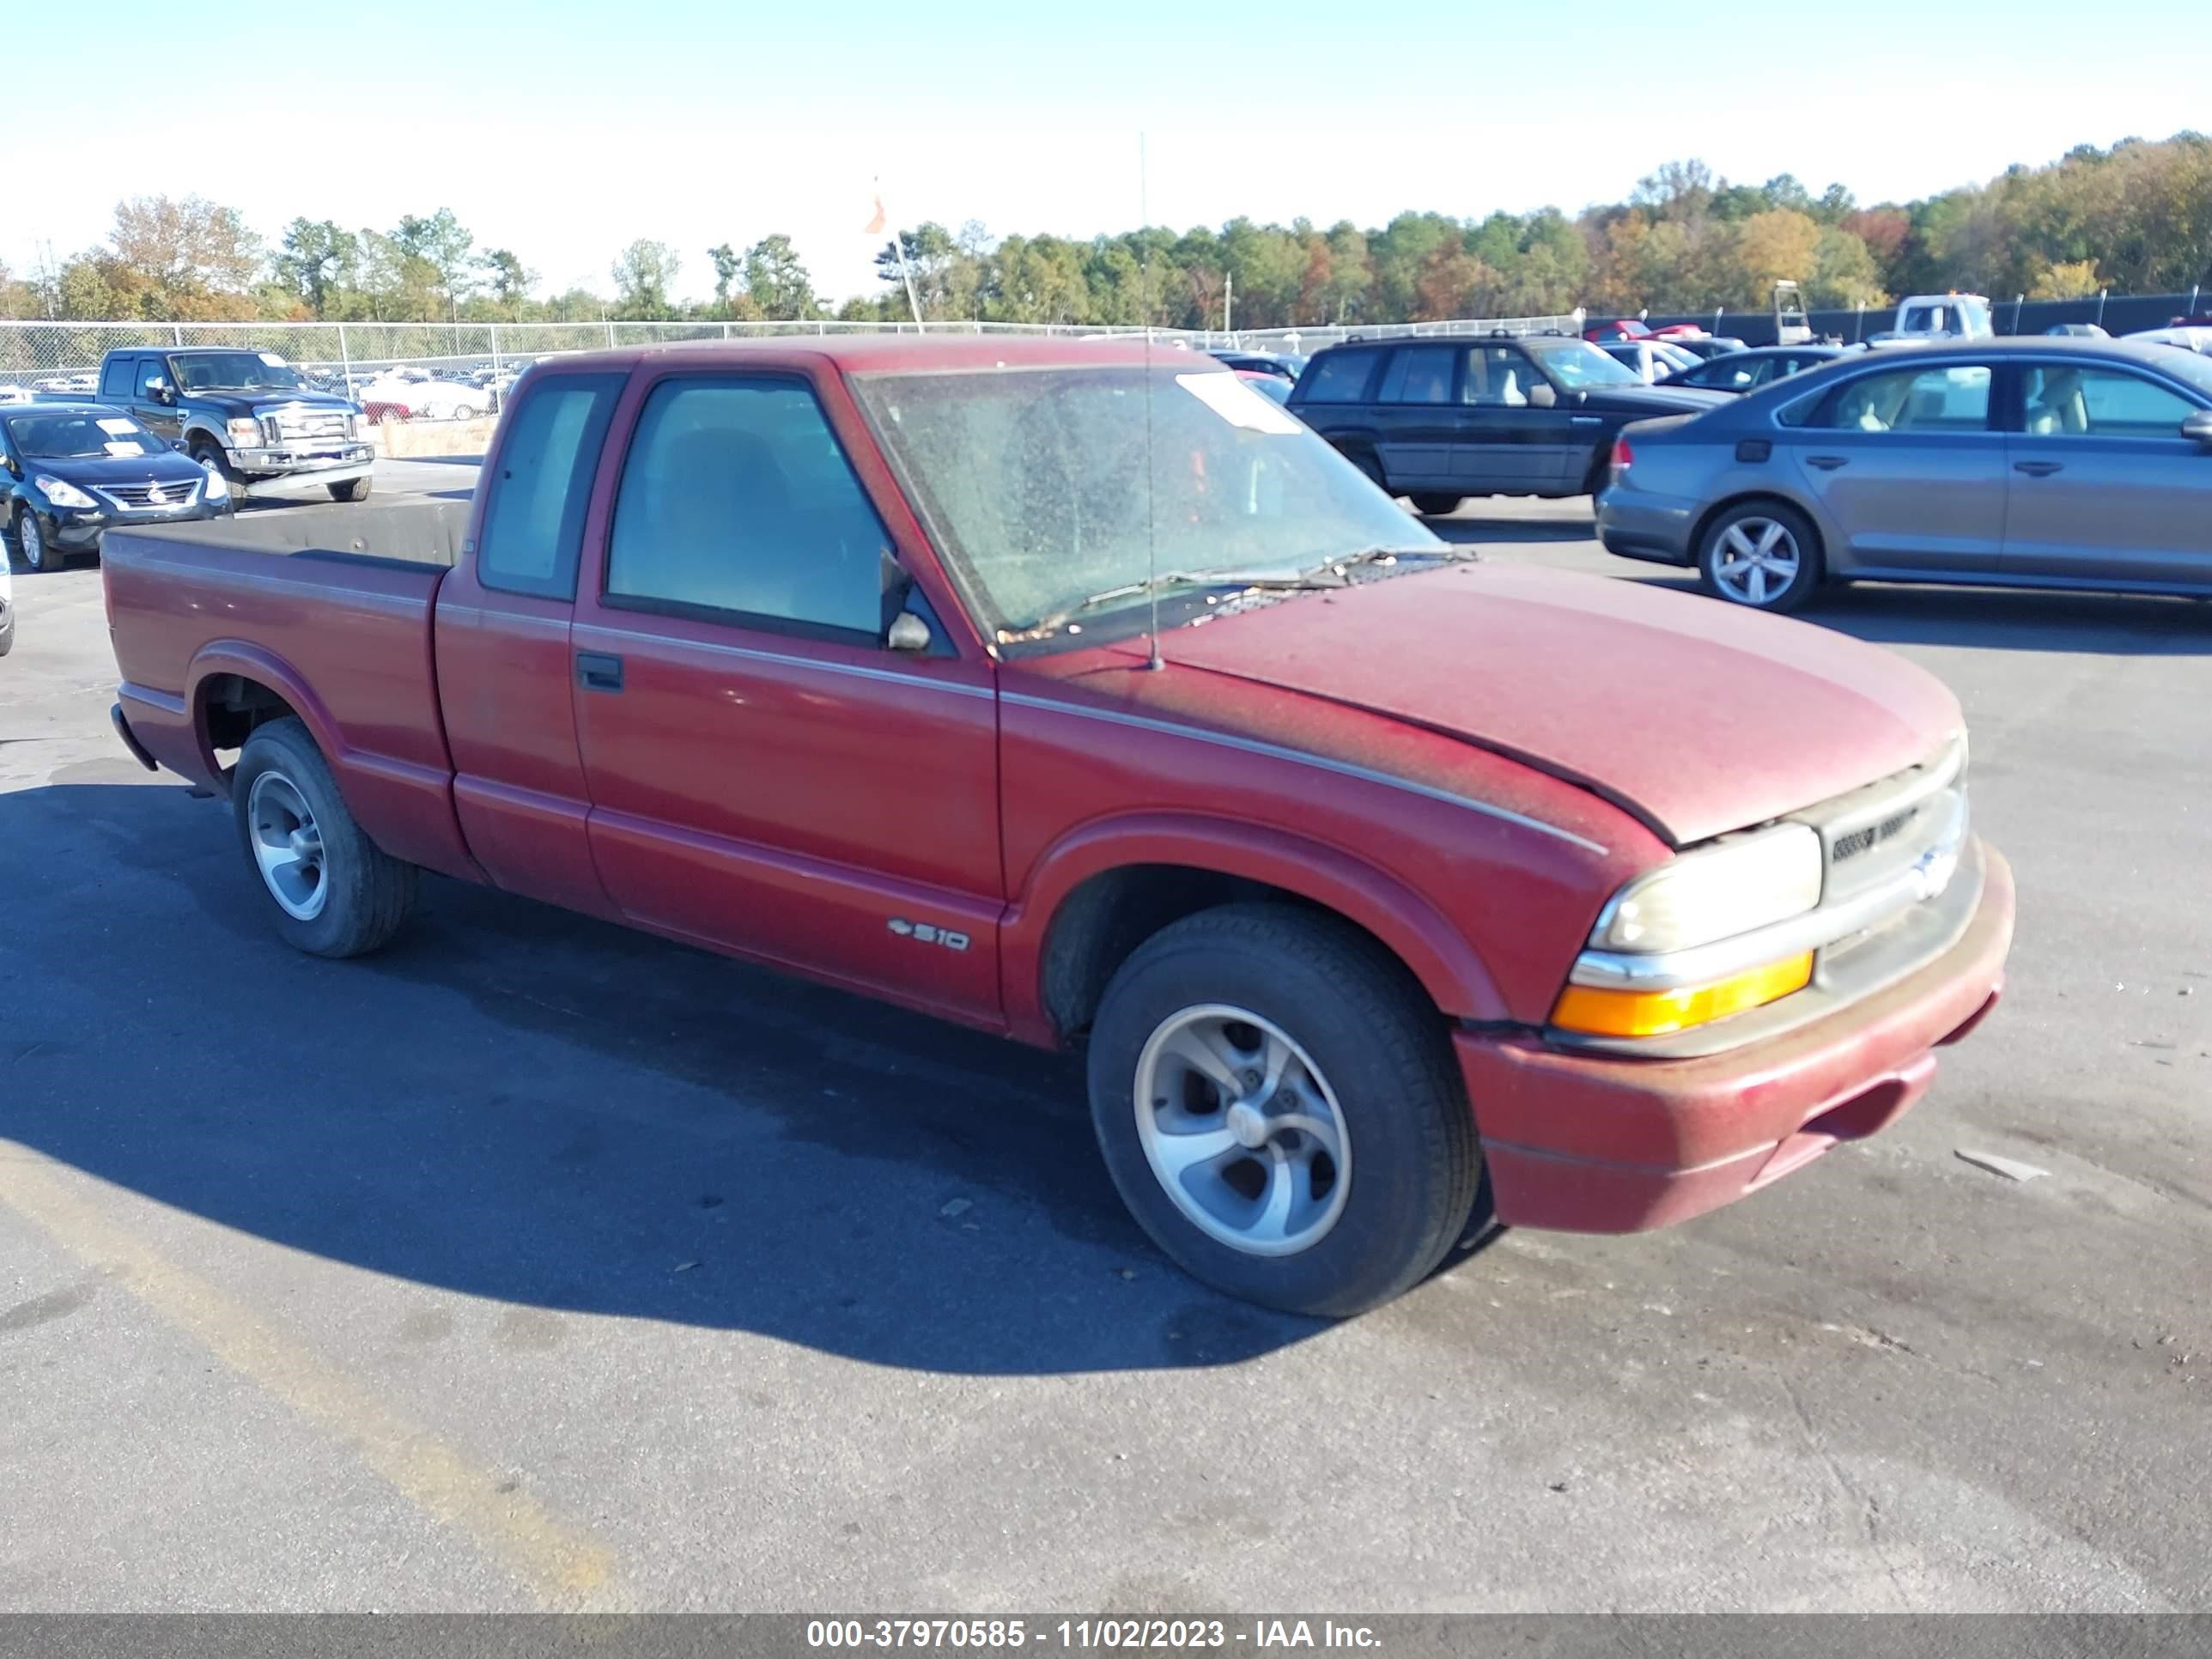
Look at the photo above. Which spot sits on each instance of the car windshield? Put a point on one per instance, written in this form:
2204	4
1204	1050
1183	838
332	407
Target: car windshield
80	437
1036	482
1575	364
232	371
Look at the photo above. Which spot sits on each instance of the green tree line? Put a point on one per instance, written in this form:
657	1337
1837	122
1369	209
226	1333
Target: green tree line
2136	218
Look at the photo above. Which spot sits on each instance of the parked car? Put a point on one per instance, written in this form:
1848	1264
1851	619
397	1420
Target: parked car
2186	339
12	393
2079	331
1282	365
1273	387
1706	346
73	471
1464	927
429	397
2028	463
68	385
1940	317
1792	325
7	609
1620	328
1440	420
1748	370
1649	360
247	414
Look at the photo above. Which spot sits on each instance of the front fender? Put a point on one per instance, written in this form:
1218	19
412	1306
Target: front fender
1436	952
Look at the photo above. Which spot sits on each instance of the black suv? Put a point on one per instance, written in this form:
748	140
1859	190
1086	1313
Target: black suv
1438	420
246	412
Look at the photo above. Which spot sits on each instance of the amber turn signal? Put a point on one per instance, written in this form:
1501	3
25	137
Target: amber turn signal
1603	1012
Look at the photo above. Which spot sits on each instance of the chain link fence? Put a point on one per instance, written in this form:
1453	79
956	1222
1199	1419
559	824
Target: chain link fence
364	359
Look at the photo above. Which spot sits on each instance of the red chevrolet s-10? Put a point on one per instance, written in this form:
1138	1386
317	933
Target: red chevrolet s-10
1073	690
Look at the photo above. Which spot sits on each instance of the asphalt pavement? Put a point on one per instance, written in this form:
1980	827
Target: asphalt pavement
533	1263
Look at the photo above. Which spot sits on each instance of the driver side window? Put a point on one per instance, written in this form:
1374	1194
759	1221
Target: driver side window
151	369
737	498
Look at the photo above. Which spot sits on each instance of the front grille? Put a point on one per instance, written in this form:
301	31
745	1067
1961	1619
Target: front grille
1872	834
141	498
306	425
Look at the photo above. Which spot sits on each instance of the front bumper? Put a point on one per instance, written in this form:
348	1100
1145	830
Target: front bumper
353	460
78	530
1640	524
1596	1143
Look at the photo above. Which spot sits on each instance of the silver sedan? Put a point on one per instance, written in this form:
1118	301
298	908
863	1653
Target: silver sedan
2021	463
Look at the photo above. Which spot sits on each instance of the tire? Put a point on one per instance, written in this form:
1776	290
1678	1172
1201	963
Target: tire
31	541
353	490
210	454
8	634
358	895
1762	554
1390	1161
1436	506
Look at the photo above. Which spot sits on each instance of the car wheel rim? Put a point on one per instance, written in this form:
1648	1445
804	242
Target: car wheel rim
1755	561
1242	1130
35	543
288	846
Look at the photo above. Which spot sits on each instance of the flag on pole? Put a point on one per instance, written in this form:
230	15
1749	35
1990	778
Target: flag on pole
875	226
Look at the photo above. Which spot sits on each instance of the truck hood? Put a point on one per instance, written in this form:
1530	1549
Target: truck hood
1692	715
260	400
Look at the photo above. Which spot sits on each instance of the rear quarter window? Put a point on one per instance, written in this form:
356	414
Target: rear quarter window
534	507
1337	377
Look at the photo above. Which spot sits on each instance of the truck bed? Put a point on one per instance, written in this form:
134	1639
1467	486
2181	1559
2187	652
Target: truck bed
327	609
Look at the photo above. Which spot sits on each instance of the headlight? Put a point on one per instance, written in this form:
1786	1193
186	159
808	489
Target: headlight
63	493
1735	887
245	433
218	487
1749	882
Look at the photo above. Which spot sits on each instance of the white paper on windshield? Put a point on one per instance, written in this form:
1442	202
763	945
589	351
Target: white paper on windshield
123	447
1238	404
116	427
272	360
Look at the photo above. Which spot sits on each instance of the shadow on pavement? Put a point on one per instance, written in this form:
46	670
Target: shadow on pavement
1995	619
1462	529
514	1102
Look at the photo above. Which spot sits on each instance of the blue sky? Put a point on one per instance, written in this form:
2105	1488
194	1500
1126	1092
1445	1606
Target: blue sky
564	130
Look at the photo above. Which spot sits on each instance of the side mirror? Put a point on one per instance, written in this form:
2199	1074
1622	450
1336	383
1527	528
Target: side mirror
908	632
1541	396
160	391
2198	426
180	445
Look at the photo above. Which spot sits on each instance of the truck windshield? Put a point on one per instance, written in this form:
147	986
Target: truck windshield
1034	481
232	371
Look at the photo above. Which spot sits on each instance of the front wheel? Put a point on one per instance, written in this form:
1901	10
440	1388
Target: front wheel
211	458
352	489
1277	1104
1436	506
1763	555
336	893
31	539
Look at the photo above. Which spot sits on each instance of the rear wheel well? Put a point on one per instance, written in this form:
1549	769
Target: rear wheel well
1749	498
1100	924
230	707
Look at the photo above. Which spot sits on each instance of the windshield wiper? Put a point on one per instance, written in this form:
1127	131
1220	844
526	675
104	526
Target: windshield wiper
1045	627
1306	581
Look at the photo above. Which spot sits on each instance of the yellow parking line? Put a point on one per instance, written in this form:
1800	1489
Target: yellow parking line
568	1569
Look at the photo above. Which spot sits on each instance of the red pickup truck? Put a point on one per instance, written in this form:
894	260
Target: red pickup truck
1371	876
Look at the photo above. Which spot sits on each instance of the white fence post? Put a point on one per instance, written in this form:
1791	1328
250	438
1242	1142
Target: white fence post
345	359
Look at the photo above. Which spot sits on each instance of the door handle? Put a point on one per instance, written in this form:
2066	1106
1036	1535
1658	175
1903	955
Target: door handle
595	673
1827	463
2038	469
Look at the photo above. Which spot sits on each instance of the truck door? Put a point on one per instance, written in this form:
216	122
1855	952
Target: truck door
502	642
162	419
767	775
